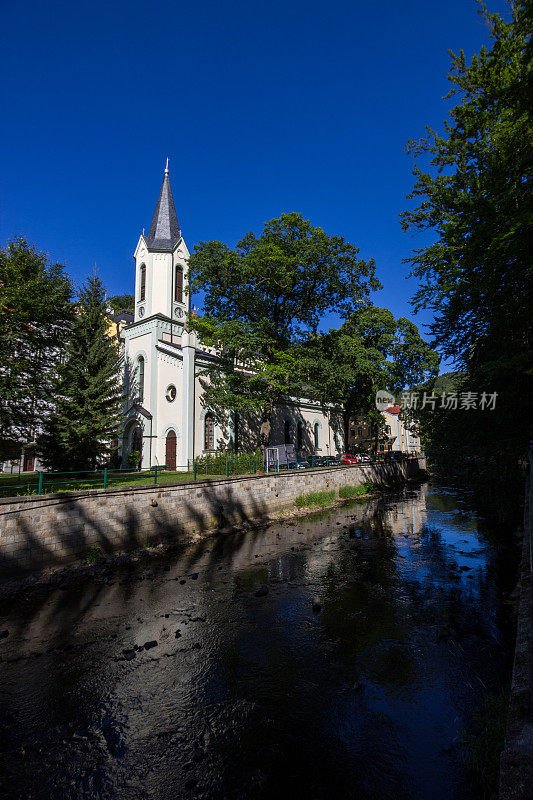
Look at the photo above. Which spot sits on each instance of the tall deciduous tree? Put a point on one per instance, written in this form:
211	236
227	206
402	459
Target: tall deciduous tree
476	276
263	299
35	317
88	390
371	351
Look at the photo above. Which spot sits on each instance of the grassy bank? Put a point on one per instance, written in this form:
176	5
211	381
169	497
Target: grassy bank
483	743
325	498
316	499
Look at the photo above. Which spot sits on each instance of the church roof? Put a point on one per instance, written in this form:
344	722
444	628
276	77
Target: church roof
164	233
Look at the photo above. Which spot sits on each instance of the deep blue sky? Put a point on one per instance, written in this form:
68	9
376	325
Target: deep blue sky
262	107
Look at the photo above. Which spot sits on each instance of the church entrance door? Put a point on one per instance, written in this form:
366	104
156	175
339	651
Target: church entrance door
170	454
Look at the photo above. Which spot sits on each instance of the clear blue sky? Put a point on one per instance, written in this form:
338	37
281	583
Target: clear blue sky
262	107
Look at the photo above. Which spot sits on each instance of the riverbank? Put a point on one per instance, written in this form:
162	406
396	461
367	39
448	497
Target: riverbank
98	566
41	532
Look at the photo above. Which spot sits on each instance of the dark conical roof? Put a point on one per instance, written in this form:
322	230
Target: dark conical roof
164	233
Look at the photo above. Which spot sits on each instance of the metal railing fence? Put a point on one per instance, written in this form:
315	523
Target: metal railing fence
38	483
215	465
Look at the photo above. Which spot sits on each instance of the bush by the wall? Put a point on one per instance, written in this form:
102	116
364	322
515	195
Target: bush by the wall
318	499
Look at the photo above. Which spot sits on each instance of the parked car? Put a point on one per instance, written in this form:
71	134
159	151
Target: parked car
349	459
394	455
324	461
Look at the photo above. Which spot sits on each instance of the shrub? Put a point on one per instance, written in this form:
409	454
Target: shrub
134	458
319	499
356	491
239	463
93	554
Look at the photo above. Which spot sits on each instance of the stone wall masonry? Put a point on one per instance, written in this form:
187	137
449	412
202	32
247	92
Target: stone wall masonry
516	763
51	530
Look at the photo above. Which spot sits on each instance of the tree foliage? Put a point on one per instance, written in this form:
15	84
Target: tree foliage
370	351
35	318
263	299
87	392
476	276
122	302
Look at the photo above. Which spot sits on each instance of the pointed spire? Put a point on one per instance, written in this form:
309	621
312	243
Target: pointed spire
164	233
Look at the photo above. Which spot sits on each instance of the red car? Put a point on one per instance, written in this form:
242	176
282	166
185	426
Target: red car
348	459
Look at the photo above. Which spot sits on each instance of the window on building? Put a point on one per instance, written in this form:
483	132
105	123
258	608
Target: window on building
178	284
287	431
387	429
142	290
316	432
140	380
359	432
300	436
209	432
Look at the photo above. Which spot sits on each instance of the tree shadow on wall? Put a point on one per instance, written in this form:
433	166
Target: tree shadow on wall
70	539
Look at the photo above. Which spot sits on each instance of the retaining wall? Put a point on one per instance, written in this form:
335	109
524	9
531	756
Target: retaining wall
516	763
38	532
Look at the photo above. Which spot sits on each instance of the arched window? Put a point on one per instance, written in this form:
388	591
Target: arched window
287	431
178	284
140	380
209	432
300	436
142	288
316	432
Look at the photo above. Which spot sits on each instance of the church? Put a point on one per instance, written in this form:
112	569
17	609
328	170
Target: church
166	418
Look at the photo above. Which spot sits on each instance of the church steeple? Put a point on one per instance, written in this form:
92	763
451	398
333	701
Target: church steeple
164	233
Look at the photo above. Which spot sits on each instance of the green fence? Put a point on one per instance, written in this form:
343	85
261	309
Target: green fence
38	483
210	466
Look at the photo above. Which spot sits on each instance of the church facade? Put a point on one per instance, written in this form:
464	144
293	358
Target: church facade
167	420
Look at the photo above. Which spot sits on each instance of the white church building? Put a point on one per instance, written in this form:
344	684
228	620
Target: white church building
167	420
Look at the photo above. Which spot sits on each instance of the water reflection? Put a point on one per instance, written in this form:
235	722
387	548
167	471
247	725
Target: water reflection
250	692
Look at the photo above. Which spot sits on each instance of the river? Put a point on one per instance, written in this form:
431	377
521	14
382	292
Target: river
335	656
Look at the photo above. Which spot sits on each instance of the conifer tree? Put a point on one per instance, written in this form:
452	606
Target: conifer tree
35	318
88	393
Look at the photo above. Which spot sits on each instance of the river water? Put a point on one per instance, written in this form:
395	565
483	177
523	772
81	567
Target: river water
338	656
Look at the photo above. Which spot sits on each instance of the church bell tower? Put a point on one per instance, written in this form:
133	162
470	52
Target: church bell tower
161	263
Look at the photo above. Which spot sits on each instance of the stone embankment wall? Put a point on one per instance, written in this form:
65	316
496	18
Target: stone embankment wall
38	532
516	764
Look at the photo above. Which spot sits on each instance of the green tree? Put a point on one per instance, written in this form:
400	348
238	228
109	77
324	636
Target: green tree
122	302
371	351
476	275
87	393
266	297
35	316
